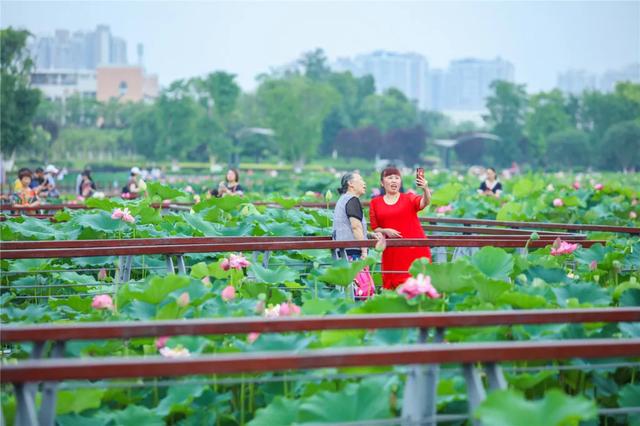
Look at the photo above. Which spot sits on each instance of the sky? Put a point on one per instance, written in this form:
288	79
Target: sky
191	38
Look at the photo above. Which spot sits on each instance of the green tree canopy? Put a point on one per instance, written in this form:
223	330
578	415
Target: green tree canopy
18	101
507	108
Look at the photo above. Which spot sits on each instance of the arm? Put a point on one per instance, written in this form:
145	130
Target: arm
358	232
426	192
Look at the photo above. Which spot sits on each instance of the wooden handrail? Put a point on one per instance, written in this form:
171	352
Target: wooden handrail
271	246
534	225
126	330
45	244
112	368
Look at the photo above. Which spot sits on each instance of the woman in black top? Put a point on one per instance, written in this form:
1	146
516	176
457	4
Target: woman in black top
230	186
490	186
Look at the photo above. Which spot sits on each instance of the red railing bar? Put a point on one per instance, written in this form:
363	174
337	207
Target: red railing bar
21	245
112	368
112	330
271	246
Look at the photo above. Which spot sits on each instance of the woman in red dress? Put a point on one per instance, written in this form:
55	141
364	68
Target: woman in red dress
395	214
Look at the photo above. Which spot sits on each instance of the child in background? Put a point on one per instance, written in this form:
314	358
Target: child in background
24	195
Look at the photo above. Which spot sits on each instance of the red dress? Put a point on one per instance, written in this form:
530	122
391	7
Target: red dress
403	217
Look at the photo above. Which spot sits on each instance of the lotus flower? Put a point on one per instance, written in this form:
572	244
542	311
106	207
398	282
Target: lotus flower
558	202
183	300
444	209
206	281
124	215
179	352
161	342
550	188
229	293
560	247
576	185
260	307
252	337
633	215
102	301
234	262
593	265
598	186
273	312
289	309
238	261
416	286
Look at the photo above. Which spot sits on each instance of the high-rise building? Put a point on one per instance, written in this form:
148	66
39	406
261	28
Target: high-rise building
80	50
92	64
406	72
576	81
609	79
468	82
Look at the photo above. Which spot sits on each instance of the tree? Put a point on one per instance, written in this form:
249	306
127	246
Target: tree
295	108
18	101
314	64
621	146
364	142
507	107
391	110
404	144
568	148
547	114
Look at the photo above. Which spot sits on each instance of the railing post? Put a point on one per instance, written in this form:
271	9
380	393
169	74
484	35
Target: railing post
440	254
170	269
47	413
475	390
265	258
182	269
420	391
495	376
25	406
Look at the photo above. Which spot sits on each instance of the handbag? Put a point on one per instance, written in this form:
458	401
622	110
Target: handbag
364	287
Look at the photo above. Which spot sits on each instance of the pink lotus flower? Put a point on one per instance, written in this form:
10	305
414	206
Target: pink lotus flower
102	274
416	286
229	293
558	202
238	261
178	352
633	215
576	185
161	342
444	209
206	281
598	186
102	301
289	309
560	247
80	198
124	215
183	300
252	337
593	265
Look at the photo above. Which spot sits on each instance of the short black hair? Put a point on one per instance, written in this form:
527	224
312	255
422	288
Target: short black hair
24	172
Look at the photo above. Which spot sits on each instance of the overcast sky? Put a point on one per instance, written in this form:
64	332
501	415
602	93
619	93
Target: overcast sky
188	38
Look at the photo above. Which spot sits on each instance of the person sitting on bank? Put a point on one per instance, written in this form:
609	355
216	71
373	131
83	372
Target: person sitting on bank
491	186
230	186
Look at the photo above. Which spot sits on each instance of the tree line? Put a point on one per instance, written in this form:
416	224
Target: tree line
307	111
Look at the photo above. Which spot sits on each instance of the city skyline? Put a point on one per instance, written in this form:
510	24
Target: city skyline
183	40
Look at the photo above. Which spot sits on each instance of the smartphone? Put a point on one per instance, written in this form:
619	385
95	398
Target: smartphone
420	172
